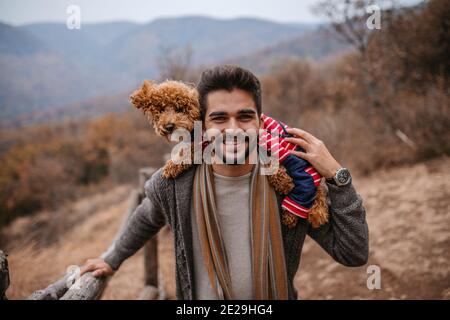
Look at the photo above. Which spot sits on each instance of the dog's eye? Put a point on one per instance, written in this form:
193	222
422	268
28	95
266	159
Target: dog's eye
179	109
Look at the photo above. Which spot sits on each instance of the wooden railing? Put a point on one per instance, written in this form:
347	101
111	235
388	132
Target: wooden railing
88	287
4	275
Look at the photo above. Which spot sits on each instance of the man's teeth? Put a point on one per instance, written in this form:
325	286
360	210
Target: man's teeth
231	142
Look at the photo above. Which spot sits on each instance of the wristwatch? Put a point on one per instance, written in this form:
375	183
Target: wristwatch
342	177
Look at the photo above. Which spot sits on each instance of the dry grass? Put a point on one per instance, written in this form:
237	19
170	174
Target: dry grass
408	211
34	266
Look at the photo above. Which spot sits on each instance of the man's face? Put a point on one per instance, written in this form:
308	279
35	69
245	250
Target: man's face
232	113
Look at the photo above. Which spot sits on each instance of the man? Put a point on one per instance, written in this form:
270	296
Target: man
229	242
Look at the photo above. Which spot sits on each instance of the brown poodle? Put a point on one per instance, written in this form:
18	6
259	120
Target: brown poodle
173	105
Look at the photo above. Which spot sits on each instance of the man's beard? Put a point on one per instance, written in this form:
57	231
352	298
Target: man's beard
237	158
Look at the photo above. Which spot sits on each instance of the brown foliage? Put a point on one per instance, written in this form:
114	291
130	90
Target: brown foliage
385	105
44	166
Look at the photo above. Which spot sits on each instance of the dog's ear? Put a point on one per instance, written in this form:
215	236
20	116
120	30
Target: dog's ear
148	86
140	97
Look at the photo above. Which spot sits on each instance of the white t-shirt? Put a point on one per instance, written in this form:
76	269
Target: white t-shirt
233	208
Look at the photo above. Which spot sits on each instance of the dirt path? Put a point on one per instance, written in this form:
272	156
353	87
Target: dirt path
408	211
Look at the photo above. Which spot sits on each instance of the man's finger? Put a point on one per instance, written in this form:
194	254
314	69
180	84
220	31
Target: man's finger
87	268
300	154
301	133
298	141
98	272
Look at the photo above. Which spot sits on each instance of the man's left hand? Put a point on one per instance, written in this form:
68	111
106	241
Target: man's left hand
316	152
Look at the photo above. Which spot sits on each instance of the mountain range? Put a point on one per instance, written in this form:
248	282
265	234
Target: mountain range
46	66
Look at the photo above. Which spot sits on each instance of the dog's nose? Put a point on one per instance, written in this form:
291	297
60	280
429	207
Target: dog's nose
169	127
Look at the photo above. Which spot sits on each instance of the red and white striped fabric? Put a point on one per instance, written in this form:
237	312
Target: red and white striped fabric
278	145
273	143
295	208
271	125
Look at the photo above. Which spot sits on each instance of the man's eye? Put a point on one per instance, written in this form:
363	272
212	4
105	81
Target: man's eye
246	118
218	119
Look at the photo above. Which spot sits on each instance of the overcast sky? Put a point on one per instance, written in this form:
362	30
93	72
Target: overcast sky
19	12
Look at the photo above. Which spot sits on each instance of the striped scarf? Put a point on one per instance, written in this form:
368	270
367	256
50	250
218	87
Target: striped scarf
268	264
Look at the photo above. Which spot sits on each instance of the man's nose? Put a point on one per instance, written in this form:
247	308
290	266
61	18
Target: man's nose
233	124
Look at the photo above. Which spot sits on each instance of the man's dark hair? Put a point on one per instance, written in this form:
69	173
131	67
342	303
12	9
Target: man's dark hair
228	77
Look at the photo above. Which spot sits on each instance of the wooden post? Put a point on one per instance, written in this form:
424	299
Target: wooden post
151	290
4	275
53	292
151	247
90	287
151	262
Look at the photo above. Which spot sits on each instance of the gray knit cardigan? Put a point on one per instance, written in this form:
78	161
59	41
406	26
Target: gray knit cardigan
168	201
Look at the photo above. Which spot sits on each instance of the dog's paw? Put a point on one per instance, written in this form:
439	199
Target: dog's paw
318	214
281	181
173	170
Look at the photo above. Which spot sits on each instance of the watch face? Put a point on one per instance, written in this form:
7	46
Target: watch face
343	176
